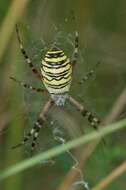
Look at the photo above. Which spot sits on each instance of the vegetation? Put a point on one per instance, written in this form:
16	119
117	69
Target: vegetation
101	28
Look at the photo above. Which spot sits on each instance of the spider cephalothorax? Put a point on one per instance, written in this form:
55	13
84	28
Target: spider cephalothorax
56	74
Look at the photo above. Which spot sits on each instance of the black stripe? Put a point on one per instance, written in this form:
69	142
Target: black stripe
56	66
62	93
58	86
56	78
54	55
56	63
57	74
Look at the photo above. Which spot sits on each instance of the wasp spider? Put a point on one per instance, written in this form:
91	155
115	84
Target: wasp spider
56	75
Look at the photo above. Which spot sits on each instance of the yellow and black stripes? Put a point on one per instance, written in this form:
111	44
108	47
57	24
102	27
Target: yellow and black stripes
56	71
57	65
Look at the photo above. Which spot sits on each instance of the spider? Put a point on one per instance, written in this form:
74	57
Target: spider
56	75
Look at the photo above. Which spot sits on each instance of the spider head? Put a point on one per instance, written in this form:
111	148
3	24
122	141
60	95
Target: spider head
54	48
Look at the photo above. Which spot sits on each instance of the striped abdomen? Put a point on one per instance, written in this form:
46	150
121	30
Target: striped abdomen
57	74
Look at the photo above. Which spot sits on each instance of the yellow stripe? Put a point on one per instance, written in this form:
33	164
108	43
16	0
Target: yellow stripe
58	70
55	60
54	52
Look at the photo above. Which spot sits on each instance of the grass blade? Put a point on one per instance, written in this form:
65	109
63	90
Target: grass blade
60	149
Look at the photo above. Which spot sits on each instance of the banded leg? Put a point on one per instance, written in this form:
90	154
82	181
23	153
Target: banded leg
94	122
75	53
89	74
26	137
33	133
37	126
28	86
28	60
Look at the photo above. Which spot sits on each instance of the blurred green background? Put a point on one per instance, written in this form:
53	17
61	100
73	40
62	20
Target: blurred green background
102	37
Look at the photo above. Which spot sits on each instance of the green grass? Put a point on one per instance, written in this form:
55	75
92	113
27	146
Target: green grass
28	163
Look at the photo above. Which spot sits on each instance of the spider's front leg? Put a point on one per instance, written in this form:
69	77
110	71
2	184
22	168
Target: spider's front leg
28	86
37	126
94	121
89	74
24	53
75	53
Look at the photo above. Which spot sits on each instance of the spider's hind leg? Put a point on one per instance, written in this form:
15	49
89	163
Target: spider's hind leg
25	139
37	126
94	121
39	123
32	134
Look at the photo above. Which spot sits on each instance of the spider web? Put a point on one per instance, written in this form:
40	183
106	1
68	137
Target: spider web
34	102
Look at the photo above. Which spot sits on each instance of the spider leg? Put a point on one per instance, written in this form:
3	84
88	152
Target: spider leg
75	53
94	121
89	74
28	86
37	126
26	138
39	123
28	60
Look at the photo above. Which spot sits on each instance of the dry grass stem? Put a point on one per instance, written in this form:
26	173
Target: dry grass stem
113	115
112	176
14	13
